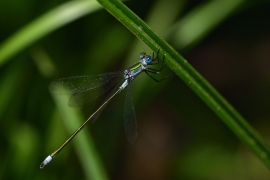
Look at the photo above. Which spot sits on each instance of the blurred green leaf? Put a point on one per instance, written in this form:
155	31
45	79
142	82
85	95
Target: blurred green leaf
44	25
9	84
98	44
84	145
194	26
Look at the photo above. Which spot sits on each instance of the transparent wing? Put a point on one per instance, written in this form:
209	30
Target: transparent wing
130	122
81	98
111	94
84	89
77	84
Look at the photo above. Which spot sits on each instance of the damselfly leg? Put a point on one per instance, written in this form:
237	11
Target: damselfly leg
83	89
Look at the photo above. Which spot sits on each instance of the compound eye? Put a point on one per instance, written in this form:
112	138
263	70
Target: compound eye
148	59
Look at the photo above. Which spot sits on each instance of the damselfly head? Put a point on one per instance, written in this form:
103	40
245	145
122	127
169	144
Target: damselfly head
148	59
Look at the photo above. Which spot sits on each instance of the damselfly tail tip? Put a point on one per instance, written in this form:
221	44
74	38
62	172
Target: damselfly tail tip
45	162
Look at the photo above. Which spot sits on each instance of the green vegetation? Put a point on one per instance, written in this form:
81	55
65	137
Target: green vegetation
179	136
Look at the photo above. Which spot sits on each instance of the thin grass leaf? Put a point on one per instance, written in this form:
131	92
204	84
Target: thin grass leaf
44	25
192	78
201	21
159	22
84	145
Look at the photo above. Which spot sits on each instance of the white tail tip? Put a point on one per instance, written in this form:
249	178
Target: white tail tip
45	162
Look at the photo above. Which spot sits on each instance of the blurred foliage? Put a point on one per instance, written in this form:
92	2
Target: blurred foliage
179	137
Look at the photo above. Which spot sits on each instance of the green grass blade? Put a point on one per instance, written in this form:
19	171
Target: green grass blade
84	145
202	20
160	23
192	78
44	25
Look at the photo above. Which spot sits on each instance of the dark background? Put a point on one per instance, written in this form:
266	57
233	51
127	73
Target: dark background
179	136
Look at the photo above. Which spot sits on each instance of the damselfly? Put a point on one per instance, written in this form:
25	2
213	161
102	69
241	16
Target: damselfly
83	89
